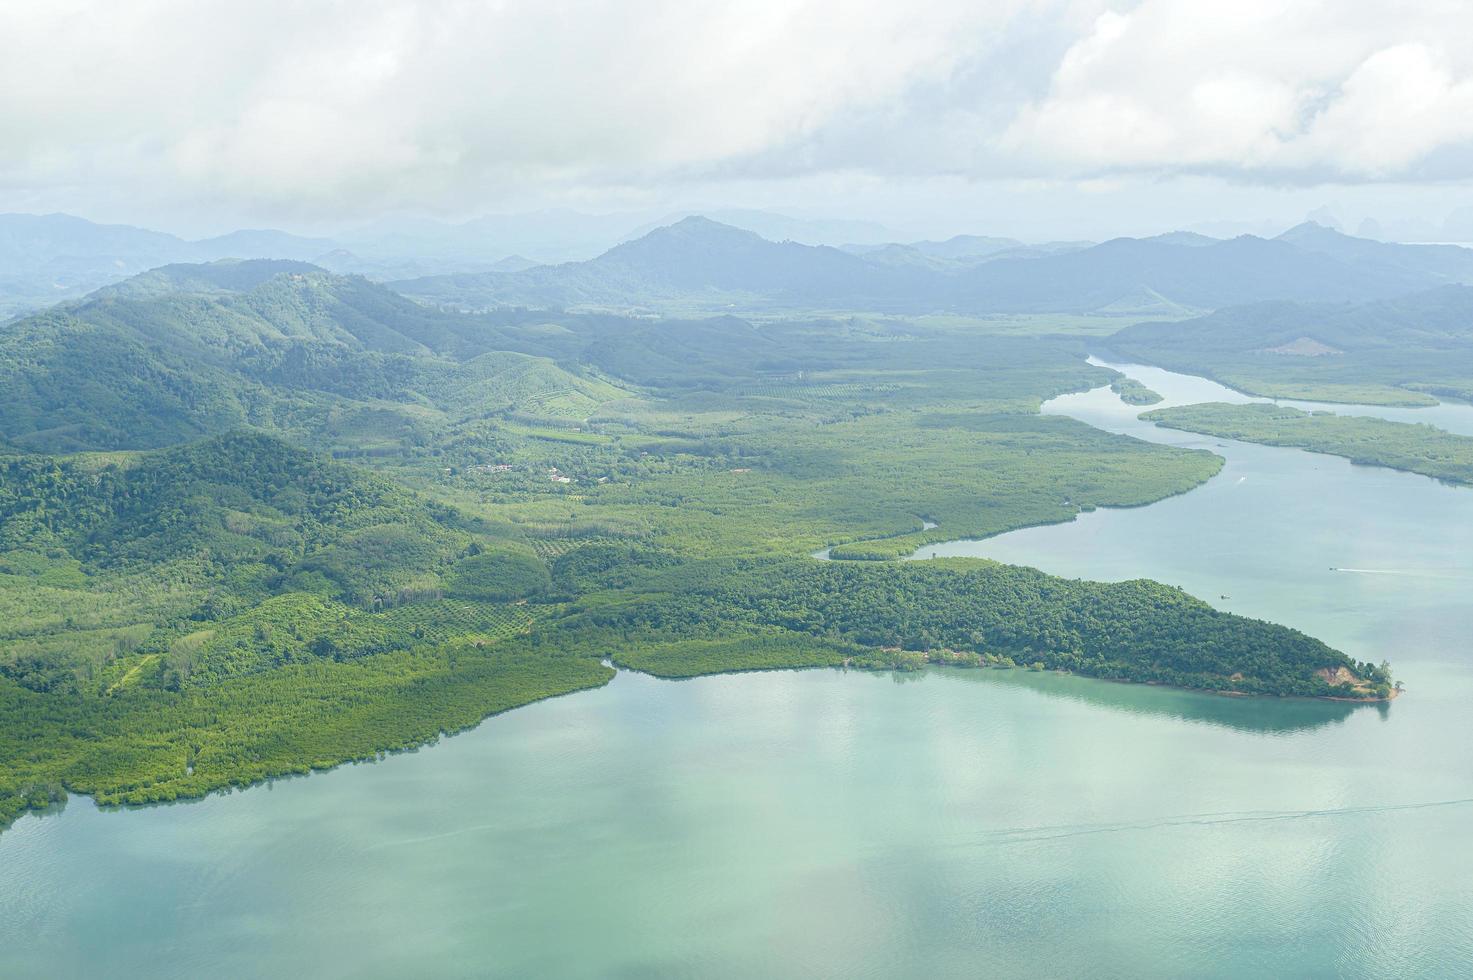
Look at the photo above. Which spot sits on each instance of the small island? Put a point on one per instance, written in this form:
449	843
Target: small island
1416	448
1132	392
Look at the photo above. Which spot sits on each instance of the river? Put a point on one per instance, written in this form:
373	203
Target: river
830	823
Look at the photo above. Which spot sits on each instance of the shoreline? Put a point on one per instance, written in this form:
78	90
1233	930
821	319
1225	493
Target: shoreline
616	668
1365	461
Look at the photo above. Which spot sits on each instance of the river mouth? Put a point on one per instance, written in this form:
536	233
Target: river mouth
1304	539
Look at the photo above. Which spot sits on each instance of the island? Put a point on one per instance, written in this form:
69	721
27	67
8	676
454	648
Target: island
1133	392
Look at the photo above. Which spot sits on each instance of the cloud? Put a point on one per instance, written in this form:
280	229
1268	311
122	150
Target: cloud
335	107
416	100
1308	91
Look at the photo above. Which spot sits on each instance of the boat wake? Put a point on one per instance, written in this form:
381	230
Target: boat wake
1025	835
1417	572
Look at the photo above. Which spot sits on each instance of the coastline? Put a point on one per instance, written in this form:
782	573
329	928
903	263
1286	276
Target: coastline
322	767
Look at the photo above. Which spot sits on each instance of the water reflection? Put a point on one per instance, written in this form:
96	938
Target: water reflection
1261	716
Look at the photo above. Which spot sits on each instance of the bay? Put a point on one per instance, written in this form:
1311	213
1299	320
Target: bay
831	823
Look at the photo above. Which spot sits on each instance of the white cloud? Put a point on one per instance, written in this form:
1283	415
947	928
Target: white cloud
337	107
1400	105
418	99
1292	91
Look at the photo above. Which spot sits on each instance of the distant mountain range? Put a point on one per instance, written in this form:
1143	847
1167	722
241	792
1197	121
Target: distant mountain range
50	258
959	250
700	264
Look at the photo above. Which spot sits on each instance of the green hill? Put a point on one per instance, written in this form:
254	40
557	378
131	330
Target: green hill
186	351
216	527
1395	351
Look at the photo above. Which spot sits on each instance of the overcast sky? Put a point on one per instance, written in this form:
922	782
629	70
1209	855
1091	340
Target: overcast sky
1045	119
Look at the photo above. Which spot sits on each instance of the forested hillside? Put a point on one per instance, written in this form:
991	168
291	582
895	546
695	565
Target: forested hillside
1396	351
194	593
186	351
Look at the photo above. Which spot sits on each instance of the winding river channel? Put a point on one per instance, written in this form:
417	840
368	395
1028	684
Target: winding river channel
829	823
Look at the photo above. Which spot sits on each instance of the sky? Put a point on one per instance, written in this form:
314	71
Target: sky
1041	119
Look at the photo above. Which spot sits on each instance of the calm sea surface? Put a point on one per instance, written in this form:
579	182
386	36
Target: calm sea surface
822	823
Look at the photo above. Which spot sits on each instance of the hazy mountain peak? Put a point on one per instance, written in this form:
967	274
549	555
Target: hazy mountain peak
699	224
679	242
1313	231
1190	239
220	276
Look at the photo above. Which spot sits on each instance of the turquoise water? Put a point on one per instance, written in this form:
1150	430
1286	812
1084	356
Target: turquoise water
1374	561
826	823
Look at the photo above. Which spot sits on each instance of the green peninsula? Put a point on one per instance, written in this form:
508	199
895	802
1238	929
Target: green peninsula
1420	448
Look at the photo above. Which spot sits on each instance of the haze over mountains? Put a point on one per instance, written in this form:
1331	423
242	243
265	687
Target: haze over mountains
698	264
186	350
49	258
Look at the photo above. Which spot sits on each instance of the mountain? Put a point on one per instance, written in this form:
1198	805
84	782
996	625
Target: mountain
968	247
694	262
698	253
48	258
956	252
698	263
1452	262
189	350
783	227
1204	276
39	241
958	248
1184	238
1396	350
45	258
51	258
262	243
513	263
701	264
223	276
1145	301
